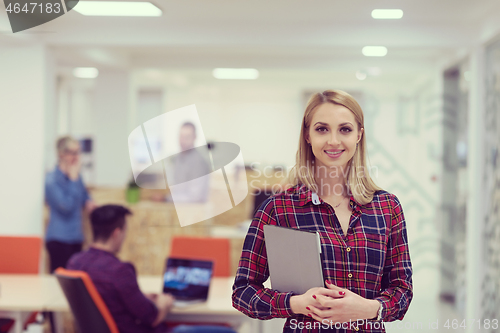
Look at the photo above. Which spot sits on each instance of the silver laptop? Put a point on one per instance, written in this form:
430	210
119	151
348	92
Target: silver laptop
294	259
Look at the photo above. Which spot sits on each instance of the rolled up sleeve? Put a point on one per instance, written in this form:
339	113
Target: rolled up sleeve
397	286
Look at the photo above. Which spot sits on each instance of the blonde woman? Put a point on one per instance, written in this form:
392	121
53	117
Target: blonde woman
365	254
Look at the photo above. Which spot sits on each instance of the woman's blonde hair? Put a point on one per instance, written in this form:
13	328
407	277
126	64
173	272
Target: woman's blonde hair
359	182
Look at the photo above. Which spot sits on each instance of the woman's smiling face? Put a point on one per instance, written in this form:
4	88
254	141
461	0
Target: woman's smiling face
333	134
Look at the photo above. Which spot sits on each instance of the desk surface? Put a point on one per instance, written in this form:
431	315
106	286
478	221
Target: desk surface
219	296
42	292
28	292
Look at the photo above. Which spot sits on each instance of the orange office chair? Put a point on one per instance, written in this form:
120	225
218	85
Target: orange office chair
87	306
215	249
20	255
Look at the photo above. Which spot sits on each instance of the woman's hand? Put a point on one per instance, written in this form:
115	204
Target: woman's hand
339	310
303	304
73	170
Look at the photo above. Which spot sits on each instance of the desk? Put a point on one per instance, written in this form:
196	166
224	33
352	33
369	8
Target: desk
21	294
217	309
26	293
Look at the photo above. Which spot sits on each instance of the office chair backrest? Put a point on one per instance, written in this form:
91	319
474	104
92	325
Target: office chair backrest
20	255
215	249
87	306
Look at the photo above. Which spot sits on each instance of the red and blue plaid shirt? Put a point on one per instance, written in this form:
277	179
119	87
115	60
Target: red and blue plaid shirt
372	260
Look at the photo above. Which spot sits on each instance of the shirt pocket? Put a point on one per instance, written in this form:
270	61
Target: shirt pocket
373	224
375	251
371	240
370	260
373	235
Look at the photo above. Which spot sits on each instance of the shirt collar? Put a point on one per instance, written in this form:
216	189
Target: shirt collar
306	195
94	249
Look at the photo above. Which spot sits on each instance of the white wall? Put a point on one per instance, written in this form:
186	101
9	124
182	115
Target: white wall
110	110
26	94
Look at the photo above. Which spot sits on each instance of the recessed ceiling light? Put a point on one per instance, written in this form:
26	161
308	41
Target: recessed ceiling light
117	8
374	51
387	14
85	72
235	73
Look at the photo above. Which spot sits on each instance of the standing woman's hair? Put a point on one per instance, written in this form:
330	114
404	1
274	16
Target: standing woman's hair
359	181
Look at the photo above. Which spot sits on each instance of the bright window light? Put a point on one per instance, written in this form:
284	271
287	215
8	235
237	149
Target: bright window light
374	51
85	72
117	8
236	73
387	14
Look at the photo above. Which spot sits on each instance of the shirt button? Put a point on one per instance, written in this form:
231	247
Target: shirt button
349	275
348	249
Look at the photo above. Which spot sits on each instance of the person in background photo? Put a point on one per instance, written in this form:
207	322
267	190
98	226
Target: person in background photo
189	165
67	198
186	169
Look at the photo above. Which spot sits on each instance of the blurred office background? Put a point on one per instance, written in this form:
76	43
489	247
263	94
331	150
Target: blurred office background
431	104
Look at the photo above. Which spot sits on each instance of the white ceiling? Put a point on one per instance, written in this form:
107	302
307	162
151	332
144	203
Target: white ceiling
316	34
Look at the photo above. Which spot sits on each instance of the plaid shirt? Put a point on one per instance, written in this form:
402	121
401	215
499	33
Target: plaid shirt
372	260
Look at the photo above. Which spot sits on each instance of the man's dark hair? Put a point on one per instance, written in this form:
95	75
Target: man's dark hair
107	218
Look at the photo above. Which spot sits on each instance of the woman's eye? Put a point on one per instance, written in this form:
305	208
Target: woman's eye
320	129
345	129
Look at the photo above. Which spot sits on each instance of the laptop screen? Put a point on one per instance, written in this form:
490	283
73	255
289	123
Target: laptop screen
187	279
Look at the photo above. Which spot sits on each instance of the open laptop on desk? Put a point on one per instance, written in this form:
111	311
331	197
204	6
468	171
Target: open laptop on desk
187	280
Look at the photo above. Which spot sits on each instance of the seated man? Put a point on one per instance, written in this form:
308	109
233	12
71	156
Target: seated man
116	281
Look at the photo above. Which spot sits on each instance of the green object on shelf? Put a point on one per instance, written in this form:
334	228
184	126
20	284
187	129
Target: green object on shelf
133	194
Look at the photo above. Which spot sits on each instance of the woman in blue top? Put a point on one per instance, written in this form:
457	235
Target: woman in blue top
67	197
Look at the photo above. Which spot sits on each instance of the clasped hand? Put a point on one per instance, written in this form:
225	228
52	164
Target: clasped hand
333	304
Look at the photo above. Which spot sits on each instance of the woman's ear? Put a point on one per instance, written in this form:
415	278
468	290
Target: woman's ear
360	134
